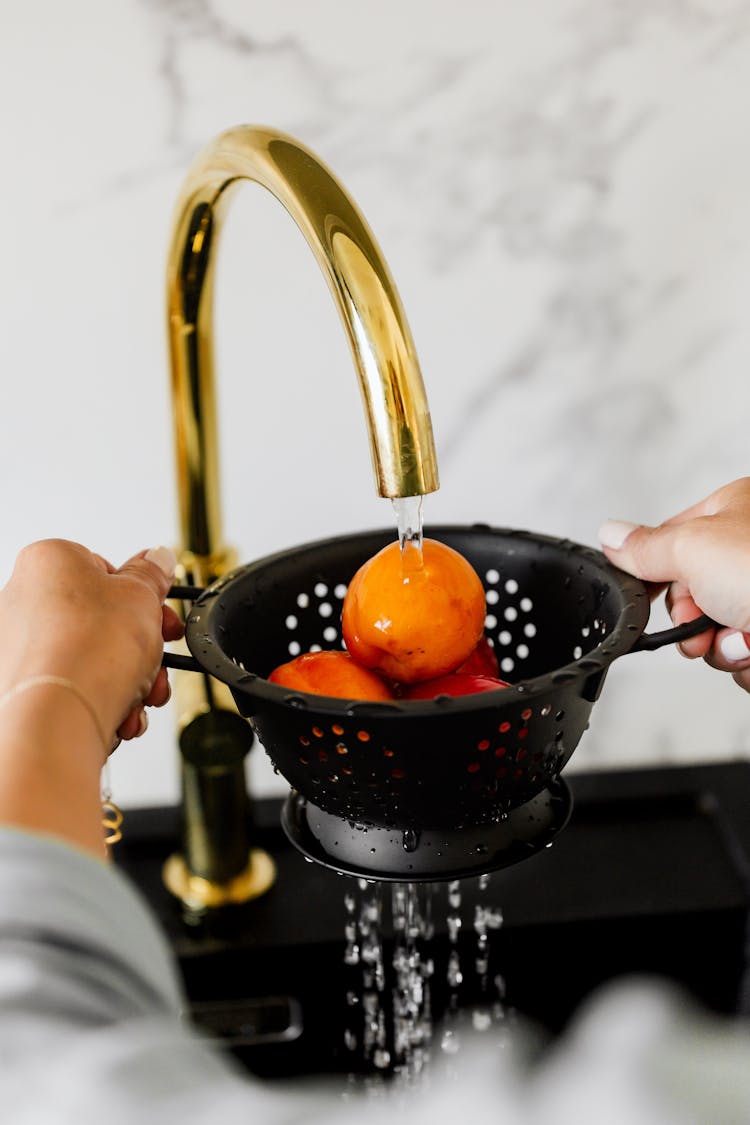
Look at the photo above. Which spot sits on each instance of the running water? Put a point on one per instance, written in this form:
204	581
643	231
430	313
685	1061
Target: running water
389	1023
450	1040
490	1006
408	511
390	1026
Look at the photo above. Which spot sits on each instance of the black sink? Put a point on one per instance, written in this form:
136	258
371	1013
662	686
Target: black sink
651	876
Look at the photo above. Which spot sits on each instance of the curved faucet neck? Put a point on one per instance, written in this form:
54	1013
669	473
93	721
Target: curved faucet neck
394	397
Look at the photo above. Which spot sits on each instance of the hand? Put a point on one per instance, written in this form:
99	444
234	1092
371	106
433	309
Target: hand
68	612
702	558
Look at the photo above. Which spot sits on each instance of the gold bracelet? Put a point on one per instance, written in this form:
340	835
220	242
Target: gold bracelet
68	685
111	814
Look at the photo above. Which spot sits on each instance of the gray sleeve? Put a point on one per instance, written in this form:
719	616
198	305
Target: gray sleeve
90	1027
61	909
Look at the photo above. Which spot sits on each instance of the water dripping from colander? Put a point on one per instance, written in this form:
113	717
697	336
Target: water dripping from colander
391	1033
389	1018
489	1007
450	1042
487	1010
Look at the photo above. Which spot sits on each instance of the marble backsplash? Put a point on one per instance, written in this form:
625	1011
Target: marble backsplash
561	192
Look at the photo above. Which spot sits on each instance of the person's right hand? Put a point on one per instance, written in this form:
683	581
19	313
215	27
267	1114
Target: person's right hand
702	557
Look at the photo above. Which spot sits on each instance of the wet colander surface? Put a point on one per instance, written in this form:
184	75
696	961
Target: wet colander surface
557	614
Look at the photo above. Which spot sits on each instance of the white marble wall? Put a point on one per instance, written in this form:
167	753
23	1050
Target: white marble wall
561	190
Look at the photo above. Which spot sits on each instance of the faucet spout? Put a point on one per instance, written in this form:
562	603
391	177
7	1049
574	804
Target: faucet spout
394	397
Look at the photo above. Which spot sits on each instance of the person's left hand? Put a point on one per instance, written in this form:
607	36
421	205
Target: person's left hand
68	612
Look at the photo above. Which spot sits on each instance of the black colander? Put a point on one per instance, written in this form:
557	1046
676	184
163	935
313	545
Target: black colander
439	788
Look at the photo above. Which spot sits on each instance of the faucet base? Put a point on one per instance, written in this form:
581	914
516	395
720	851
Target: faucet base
198	894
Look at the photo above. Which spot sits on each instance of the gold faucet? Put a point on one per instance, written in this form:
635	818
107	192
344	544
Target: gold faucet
217	865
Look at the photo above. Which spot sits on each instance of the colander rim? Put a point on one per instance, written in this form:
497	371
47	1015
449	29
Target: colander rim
202	629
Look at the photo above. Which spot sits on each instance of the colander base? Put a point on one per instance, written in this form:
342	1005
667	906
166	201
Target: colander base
432	855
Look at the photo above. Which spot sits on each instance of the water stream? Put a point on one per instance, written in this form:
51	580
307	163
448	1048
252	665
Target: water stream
392	955
408	511
391	951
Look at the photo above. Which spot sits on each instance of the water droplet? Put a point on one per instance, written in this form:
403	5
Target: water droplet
381	1058
351	955
449	1043
494	918
410	840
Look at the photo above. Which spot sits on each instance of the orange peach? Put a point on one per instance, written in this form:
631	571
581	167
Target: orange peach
414	622
331	673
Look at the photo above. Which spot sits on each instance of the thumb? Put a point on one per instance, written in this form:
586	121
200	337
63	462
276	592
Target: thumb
649	553
155	567
663	556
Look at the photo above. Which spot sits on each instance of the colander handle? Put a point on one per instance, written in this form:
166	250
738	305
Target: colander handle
179	660
650	641
186	593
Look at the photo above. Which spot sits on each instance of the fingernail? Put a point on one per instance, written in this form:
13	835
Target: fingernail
143	725
165	559
733	647
613	533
